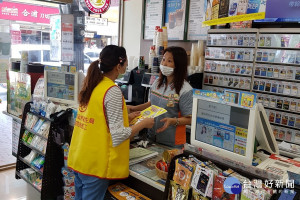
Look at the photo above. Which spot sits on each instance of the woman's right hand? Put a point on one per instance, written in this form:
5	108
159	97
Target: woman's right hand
148	122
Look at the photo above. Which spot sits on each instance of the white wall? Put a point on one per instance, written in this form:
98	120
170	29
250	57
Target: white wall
133	10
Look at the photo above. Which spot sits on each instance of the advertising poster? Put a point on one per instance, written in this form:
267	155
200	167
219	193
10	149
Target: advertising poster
229	11
60	85
224	136
18	92
55	38
67	42
175	19
153	17
195	29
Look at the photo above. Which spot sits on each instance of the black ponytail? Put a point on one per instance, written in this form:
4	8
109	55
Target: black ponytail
110	57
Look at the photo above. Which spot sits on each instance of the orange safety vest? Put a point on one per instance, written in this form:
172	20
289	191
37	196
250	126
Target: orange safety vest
91	151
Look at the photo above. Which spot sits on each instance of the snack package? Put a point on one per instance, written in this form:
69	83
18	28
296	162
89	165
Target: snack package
203	181
177	192
198	196
183	174
150	112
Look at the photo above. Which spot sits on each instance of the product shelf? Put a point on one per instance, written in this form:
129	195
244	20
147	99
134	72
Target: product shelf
279	79
41	117
273	63
233	46
33	148
281	110
281	48
233	74
282	95
225	31
31	166
226	60
285	126
232	88
35	133
25	179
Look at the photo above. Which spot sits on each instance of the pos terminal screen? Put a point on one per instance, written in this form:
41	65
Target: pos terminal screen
222	126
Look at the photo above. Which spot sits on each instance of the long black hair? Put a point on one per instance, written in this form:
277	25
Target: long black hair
110	56
180	70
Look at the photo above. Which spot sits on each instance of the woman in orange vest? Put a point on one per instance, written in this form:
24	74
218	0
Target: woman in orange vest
99	149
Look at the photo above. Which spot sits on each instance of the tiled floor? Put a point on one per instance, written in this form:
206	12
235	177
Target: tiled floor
13	189
5	132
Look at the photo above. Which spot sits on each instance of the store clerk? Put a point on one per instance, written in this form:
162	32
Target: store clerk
172	92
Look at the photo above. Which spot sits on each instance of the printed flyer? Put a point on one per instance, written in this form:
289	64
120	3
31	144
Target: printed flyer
150	112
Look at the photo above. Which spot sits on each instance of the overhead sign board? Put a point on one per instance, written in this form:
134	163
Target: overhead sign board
96	21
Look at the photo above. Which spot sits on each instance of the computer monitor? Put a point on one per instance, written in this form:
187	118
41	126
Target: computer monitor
229	129
61	87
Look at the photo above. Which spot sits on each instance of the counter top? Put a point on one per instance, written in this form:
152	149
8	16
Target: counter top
145	171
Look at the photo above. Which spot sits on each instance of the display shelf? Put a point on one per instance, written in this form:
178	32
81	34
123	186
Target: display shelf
279	30
279	79
280	110
147	180
226	87
283	48
284	126
33	148
274	63
224	31
35	133
230	74
30	165
276	94
217	59
41	117
13	116
25	179
233	46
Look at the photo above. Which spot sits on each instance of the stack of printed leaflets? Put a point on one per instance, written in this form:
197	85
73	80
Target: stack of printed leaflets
150	112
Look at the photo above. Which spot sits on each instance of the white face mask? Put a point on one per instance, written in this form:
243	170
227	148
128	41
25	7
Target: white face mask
167	71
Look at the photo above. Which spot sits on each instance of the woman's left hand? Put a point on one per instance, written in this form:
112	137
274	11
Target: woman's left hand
168	122
133	115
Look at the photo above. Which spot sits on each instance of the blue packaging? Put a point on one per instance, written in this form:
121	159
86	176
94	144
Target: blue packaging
253	6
